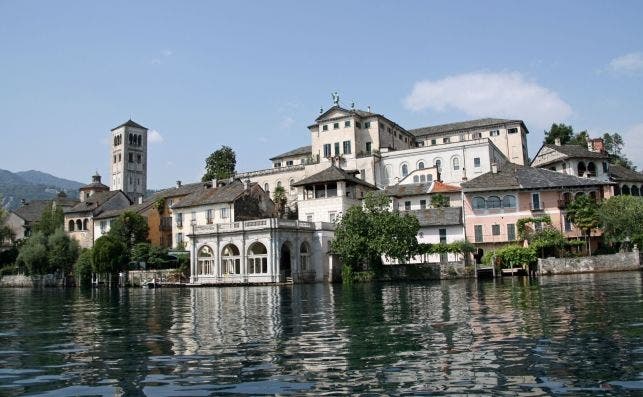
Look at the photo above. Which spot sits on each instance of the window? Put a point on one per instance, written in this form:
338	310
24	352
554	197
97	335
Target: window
535	201
70	226
494	133
511	231
568	224
405	170
335	126
446	140
479	203
416	178
433	142
257	259
205	260
336	148
289	162
422	204
277	164
278	183
309	217
493	202
438	165
266	188
512	130
358	124
509	201
290	184
367	124
476	135
461	137
332	216
304	256
421	165
179	219
347	123
495	230
368	147
443	235
456	163
347	147
208	216
230	260
477	229
114	158
139	158
103	227
605	167
224	213
476	162
325	127
327	152
131	157
423	178
407	206
538	226
362	174
119	158
179	238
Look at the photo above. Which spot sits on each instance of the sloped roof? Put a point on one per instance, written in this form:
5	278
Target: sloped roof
93	202
570	151
441	187
333	174
439	216
620	174
357	112
295	152
514	176
462	125
183	190
33	210
138	208
222	194
409	189
129	123
94	186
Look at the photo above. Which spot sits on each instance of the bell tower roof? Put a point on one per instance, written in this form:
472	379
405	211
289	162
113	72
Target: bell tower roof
130	123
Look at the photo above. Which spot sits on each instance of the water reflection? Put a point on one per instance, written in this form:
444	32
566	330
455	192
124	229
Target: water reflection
575	334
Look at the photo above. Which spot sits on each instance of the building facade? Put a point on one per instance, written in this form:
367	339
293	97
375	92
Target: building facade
128	157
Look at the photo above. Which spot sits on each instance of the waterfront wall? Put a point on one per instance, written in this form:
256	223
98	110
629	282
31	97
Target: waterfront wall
427	271
600	263
137	278
48	280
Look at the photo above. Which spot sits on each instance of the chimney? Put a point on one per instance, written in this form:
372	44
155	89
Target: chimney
557	141
246	183
140	200
494	168
598	145
23	202
590	145
369	108
215	183
178	183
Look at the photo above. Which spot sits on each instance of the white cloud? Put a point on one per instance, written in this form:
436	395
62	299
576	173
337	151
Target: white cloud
628	63
154	137
633	147
287	122
483	94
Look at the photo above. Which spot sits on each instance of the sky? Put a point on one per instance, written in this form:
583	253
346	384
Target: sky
253	75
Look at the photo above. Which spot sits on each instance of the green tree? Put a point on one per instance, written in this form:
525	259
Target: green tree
280	199
129	229
566	135
546	240
614	147
108	255
364	234
5	232
622	218
84	266
51	220
33	254
439	200
220	164
583	213
63	251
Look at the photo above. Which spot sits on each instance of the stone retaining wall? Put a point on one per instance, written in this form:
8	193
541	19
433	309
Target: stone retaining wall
600	263
48	280
137	278
428	271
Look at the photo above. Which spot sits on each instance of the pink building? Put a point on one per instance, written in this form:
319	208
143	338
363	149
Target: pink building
495	201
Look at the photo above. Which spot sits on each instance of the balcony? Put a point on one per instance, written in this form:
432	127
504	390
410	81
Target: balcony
253	225
537	207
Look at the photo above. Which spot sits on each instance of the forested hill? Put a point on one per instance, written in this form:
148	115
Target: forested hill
33	185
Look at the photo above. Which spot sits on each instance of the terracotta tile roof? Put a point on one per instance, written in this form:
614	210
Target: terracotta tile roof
441	187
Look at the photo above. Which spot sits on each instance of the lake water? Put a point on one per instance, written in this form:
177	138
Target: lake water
564	335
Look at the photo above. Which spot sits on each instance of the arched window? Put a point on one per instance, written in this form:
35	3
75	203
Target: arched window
230	260
420	165
79	224
438	165
304	256
617	190
266	188
479	203
129	138
456	163
591	170
579	194
493	202
140	140
71	226
205	260
278	183
635	191
405	170
509	201
423	178
388	170
257	259
567	198
429	178
86	224
581	169
416	178
291	182
625	190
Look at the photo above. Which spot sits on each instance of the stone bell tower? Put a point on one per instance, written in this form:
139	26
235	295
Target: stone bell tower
129	159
